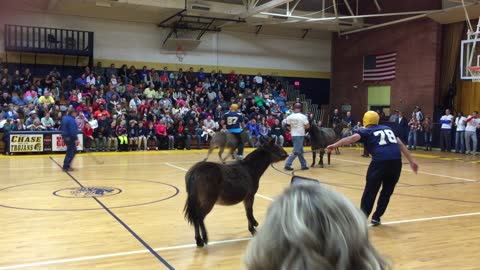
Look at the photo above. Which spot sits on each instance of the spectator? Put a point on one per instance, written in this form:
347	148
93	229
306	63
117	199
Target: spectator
112	71
122	134
473	123
263	131
36	126
99	70
8	127
348	120
151	135
132	131
171	136
402	127
394	116
277	132
162	136
415	126
141	136
254	133
31	119
46	98
258	80
88	137
302	228
47	122
112	137
335	118
446	131
5	99
460	123
427	126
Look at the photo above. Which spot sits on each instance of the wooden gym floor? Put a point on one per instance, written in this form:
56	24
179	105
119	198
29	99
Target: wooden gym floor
433	221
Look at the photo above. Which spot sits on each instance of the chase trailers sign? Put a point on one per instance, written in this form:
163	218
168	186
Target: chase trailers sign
26	143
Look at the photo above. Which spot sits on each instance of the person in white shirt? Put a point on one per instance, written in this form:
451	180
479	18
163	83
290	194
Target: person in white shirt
460	122
473	123
258	79
298	122
91	79
446	131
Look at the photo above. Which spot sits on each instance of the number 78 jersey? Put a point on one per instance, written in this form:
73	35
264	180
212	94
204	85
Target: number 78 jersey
381	142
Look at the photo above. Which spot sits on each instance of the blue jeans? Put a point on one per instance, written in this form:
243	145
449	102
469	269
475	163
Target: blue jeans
277	138
460	141
71	151
297	152
428	138
250	140
412	139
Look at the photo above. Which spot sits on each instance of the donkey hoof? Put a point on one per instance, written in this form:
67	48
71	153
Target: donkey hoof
200	242
322	166
313	165
255	223
253	231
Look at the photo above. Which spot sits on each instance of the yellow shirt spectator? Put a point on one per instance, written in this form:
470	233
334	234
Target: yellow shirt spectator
46	99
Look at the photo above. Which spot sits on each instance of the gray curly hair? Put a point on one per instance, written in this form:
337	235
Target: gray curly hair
312	227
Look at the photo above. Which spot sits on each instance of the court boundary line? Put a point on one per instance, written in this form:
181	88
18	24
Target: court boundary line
134	234
142	251
422	172
185	170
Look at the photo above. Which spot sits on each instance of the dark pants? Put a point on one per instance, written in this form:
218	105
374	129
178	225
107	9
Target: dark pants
446	139
6	139
71	151
380	173
241	143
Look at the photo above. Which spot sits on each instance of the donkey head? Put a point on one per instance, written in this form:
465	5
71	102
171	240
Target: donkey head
276	152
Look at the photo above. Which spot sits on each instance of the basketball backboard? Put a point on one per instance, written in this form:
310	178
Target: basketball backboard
470	58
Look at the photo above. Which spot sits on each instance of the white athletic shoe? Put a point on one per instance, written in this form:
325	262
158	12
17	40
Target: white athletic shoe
239	157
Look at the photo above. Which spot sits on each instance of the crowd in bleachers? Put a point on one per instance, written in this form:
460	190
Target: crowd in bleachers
127	109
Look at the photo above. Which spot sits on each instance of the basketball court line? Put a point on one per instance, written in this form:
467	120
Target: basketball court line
102	165
183	169
127	253
134	234
422	172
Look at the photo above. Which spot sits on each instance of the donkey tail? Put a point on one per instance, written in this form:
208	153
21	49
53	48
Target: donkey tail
191	208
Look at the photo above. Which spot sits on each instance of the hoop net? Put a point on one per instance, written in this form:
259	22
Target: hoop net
181	54
475	71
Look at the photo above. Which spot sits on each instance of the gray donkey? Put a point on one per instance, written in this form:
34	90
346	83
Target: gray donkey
224	140
320	138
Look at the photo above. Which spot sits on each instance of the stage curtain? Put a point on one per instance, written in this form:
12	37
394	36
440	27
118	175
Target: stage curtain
468	97
451	41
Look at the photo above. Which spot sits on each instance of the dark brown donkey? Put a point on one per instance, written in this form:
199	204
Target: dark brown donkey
209	183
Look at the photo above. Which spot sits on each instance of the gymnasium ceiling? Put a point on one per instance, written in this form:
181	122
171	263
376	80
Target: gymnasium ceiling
289	17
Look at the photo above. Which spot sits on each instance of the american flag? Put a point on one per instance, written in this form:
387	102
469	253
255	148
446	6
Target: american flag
380	67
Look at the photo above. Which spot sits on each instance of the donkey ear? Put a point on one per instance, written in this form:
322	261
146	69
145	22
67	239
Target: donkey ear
271	142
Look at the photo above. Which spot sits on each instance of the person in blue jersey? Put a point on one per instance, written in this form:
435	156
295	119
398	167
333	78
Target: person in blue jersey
69	136
234	123
386	149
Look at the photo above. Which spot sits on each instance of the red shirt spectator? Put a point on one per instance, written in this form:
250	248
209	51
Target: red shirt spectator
161	129
232	77
88	131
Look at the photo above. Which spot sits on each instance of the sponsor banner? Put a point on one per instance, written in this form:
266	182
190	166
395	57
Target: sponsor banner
26	143
58	144
47	142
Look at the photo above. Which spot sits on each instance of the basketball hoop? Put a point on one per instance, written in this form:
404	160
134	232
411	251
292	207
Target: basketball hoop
180	53
475	71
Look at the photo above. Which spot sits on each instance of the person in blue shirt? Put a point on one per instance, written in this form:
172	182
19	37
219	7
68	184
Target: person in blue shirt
234	123
384	170
253	132
69	135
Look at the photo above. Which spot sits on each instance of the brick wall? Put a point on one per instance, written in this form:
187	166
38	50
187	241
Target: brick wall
417	44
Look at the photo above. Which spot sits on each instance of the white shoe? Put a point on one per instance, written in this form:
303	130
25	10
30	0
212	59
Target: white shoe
467	152
239	157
